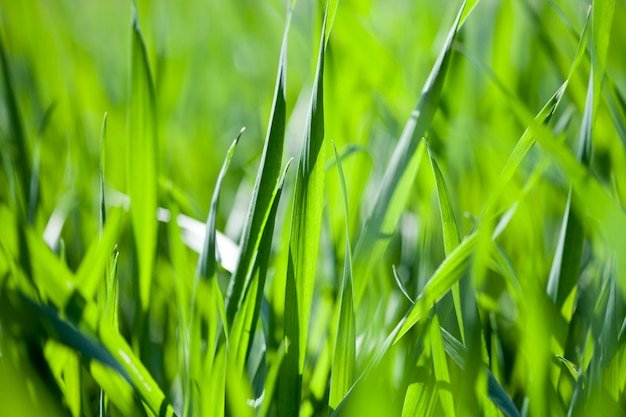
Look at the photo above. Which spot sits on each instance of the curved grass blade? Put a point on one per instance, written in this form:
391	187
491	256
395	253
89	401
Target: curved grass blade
342	373
142	161
266	179
401	172
304	240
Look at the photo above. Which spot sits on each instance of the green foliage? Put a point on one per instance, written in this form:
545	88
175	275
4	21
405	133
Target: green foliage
471	262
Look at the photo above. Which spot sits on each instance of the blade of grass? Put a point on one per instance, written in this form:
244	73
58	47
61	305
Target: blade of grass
342	373
304	240
402	169
142	160
33	198
266	179
451	238
443	386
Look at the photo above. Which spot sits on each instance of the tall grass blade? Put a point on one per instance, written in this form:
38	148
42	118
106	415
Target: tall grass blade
142	161
342	372
306	223
266	179
567	259
33	198
441	369
402	169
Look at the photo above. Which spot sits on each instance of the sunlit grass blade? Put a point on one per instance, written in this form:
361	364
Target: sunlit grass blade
567	259
266	179
401	172
271	379
306	223
342	372
142	155
419	400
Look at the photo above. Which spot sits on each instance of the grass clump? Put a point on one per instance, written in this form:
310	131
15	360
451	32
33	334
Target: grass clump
356	253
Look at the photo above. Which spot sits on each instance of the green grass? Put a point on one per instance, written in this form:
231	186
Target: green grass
421	212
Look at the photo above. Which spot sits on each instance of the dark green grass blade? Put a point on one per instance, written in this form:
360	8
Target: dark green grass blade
496	393
102	206
304	239
342	373
142	161
566	262
266	179
401	172
17	136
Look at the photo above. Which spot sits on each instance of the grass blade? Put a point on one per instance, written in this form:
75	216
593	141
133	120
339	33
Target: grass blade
441	369
401	173
342	373
266	179
142	161
304	239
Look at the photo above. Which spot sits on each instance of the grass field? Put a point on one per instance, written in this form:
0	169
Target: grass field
270	208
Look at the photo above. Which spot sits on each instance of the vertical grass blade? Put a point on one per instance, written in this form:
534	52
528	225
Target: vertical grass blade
444	387
566	262
17	136
401	171
266	179
33	197
342	373
306	223
451	238
142	161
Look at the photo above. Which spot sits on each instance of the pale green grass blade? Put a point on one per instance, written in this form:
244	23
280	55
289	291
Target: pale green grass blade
419	400
306	223
602	22
142	157
401	172
401	285
441	369
496	393
266	179
451	238
566	263
342	372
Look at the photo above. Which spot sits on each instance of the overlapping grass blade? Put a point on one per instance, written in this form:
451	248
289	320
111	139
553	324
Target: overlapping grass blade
306	223
451	238
142	162
567	259
33	197
496	393
401	172
266	179
342	372
247	316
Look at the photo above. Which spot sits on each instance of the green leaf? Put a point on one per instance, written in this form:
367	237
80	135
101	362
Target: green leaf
602	22
400	174
266	179
142	161
342	373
